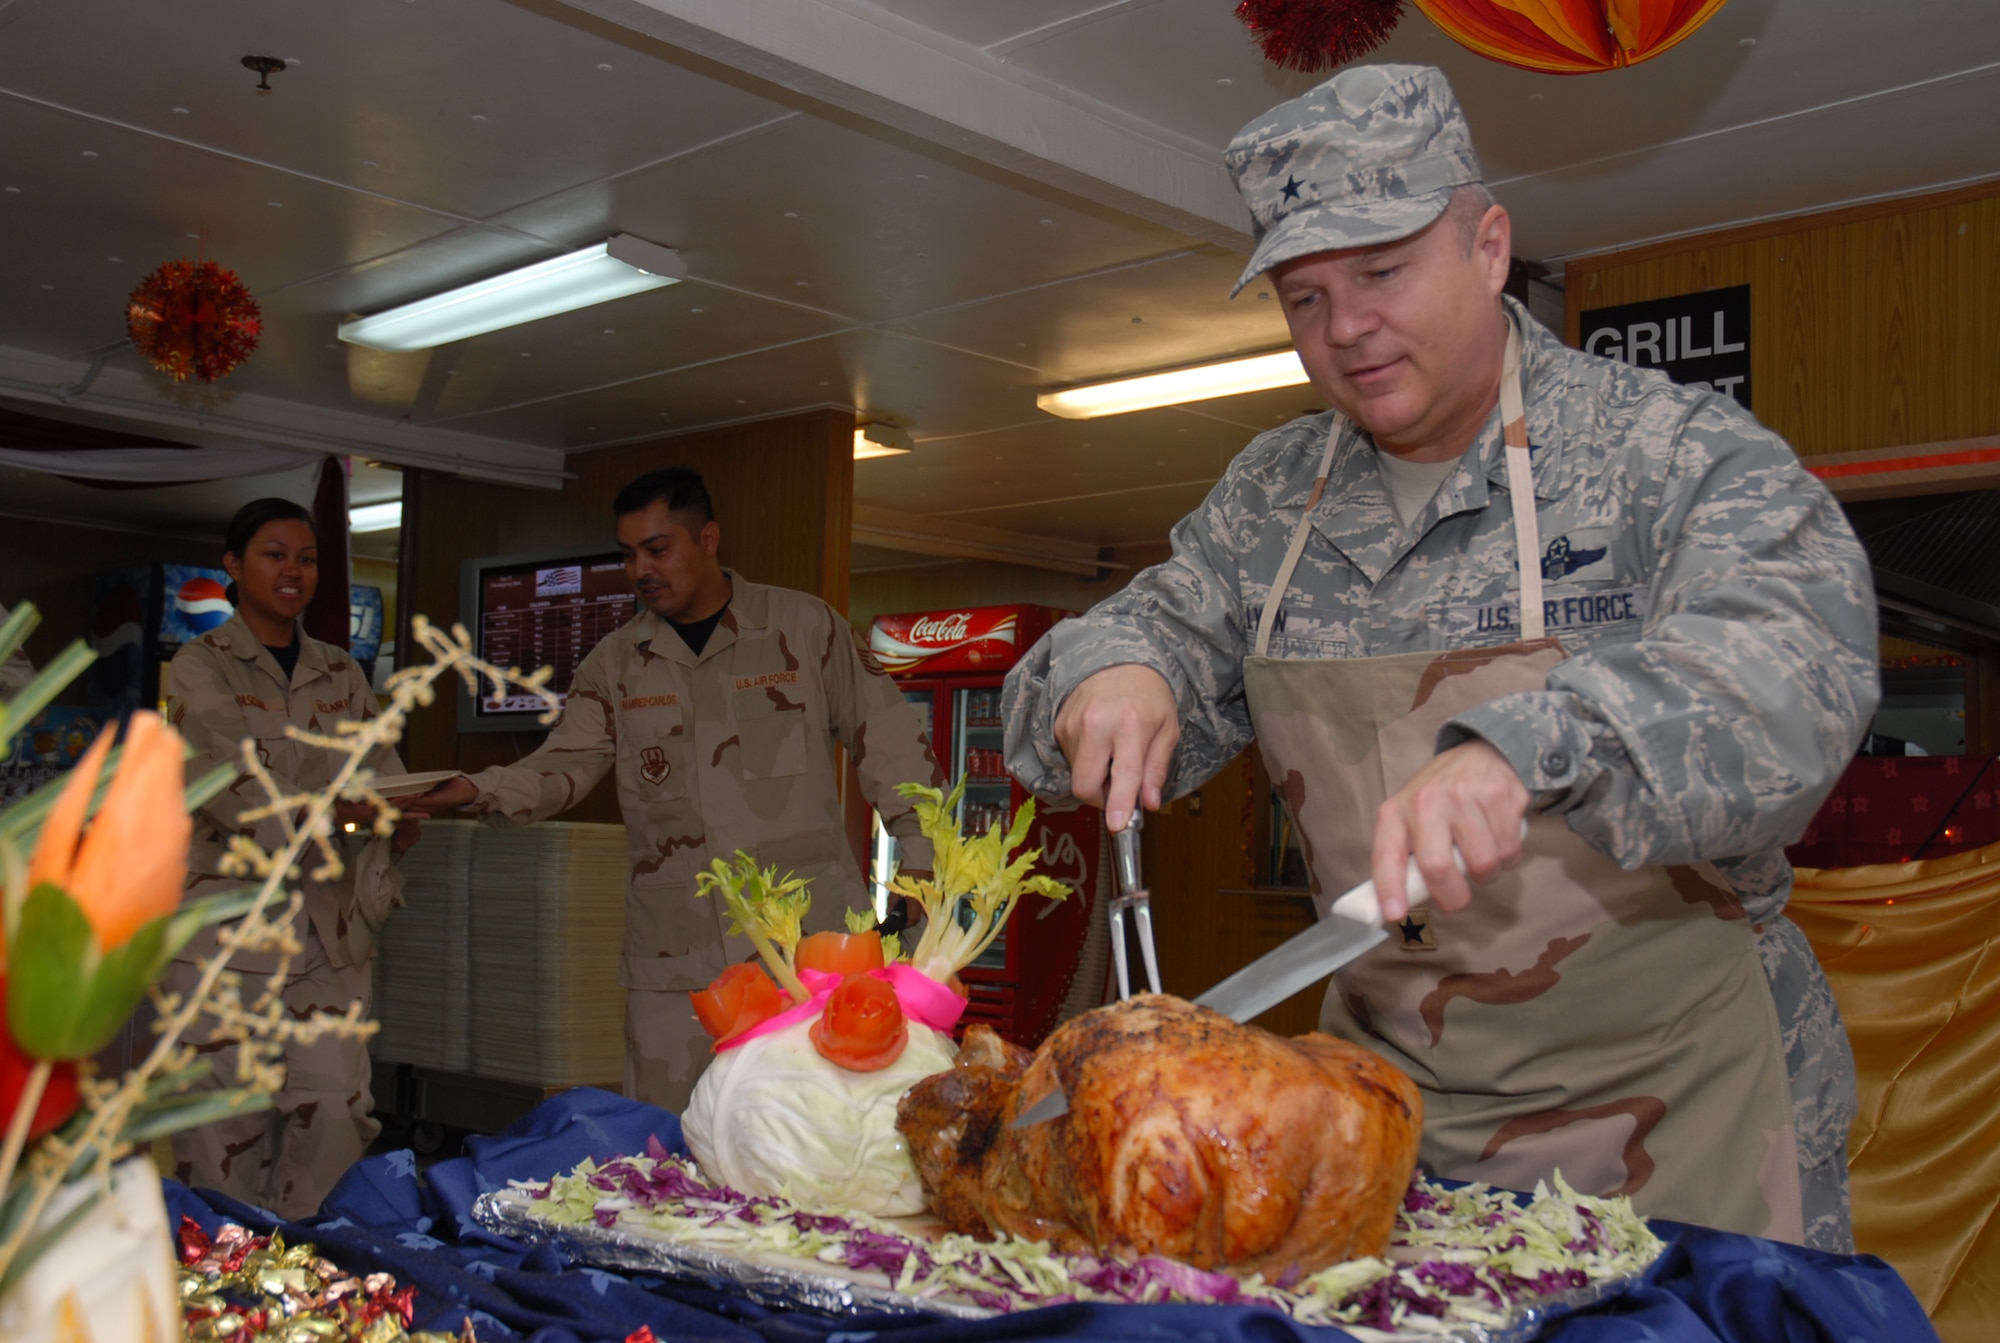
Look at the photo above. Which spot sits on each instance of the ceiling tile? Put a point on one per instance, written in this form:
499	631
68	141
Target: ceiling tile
462	105
986	24
1084	479
1773	170
90	192
1168	312
1188	66
857	222
588	354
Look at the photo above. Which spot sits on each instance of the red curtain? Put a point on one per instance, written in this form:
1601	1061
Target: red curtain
330	618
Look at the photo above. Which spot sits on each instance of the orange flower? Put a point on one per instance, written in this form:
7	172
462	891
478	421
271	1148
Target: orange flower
130	866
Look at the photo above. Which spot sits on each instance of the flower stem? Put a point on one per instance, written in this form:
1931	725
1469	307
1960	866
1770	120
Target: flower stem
23	1120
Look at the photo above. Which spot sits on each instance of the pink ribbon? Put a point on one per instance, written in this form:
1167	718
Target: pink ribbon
923	1000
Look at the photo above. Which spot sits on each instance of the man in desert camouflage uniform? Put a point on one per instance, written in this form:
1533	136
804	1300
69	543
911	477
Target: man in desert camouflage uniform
718	708
1504	579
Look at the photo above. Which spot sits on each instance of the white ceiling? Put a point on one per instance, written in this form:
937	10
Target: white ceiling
923	210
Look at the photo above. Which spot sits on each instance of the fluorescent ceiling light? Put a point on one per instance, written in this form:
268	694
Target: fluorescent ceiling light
880	440
623	265
375	517
1259	373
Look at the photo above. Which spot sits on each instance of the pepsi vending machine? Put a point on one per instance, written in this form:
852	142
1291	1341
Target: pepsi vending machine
139	617
950	665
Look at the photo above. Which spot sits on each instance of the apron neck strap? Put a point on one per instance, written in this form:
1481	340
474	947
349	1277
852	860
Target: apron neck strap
1520	491
1274	598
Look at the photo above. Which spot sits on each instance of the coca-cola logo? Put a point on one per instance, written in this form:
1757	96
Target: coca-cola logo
942	629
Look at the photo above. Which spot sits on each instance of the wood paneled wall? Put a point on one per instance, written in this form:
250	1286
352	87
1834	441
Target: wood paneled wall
1874	327
783	492
1207	860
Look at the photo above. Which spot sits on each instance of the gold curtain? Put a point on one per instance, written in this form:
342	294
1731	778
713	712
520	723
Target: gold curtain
1913	952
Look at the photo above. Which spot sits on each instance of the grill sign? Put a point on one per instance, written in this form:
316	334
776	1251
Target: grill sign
1699	340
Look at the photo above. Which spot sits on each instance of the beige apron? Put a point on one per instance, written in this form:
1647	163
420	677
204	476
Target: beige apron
1616	1025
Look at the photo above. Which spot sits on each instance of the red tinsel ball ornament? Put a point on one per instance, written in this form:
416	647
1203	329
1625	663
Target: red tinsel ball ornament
1312	35
193	318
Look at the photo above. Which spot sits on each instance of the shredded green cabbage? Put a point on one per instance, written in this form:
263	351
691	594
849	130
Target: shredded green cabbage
1473	1255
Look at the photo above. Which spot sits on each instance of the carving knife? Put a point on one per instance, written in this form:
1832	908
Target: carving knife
1352	927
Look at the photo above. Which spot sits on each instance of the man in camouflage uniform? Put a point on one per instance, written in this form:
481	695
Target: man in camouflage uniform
1666	688
718	708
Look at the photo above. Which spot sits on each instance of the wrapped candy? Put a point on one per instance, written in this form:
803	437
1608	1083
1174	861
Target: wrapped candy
241	1287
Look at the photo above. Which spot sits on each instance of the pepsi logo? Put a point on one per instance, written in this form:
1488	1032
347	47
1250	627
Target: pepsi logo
202	605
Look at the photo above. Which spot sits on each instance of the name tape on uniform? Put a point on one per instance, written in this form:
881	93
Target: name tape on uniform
1572	612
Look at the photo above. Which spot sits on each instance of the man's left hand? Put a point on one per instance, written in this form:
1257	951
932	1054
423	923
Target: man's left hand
1468	798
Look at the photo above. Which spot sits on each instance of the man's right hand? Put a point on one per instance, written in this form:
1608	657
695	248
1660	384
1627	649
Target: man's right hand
447	796
1118	729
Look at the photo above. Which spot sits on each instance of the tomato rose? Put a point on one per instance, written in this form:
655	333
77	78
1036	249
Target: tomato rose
59	1097
740	997
862	1028
841	953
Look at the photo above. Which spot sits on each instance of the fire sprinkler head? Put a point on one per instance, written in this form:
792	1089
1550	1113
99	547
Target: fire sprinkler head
265	66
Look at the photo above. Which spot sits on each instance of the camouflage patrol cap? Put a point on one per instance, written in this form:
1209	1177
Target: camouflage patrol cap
1370	156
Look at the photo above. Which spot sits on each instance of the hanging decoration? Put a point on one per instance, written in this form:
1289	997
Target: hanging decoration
193	318
1568	37
1558	37
1313	35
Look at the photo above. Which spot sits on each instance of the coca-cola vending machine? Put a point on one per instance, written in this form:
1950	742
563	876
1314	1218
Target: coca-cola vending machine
950	665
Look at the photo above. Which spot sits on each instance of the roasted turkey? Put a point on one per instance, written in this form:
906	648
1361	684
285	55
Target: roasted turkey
1187	1135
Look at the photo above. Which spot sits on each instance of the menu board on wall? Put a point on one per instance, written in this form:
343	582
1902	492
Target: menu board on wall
547	614
1698	340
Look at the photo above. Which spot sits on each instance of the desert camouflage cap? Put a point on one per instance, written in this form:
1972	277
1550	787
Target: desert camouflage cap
1370	156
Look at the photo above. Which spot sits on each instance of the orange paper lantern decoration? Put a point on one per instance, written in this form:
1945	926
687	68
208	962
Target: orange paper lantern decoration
1568	37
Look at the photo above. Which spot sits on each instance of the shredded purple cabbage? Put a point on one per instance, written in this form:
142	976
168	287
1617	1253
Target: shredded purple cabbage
1457	1280
1421	1289
1132	1282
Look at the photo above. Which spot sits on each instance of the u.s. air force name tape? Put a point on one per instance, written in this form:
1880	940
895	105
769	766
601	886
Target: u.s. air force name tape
1561	612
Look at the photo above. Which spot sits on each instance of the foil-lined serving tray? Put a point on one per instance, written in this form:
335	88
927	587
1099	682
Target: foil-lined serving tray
787	1283
770	1280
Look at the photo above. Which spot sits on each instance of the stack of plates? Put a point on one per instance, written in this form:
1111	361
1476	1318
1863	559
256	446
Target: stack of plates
422	966
547	923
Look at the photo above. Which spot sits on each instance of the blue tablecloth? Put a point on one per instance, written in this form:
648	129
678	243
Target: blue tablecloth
1709	1286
